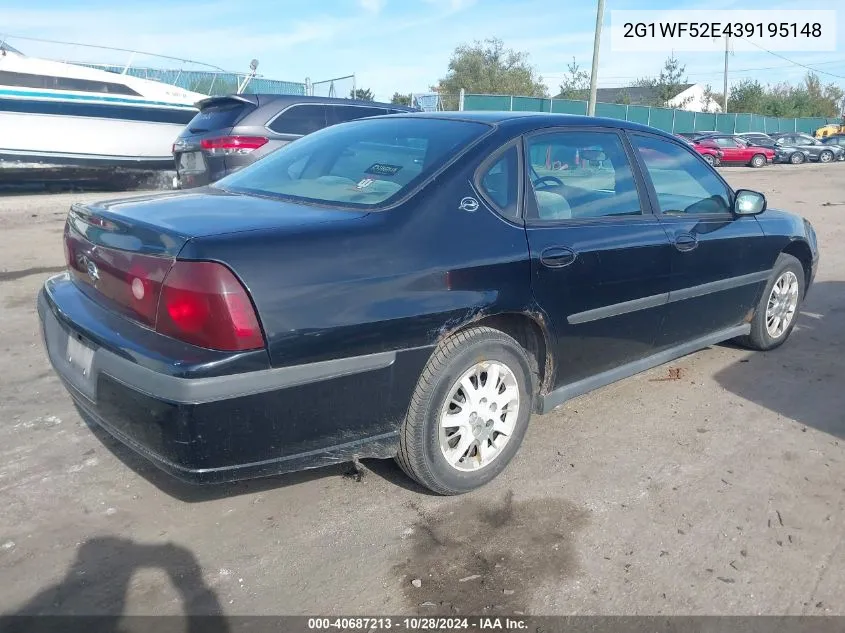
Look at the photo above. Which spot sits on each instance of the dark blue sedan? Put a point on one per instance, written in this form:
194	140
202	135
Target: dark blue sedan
411	286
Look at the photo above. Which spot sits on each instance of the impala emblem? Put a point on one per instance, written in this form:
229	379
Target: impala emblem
468	204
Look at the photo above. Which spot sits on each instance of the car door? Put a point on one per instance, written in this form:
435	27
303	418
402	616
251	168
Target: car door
599	258
719	261
732	152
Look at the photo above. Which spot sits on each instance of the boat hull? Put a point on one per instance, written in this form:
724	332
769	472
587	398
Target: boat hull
69	139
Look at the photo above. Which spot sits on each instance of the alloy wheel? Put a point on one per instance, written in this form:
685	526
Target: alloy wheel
783	302
479	416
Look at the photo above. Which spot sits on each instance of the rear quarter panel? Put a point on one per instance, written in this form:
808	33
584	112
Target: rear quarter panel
391	280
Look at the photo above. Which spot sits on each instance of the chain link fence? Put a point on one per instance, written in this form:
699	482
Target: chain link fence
667	119
212	83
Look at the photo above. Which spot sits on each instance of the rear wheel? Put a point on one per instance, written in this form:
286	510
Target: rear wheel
775	315
758	160
826	156
469	411
796	158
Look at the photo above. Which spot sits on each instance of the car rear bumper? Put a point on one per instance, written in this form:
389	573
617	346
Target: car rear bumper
233	426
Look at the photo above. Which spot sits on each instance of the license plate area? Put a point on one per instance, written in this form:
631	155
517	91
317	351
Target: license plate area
80	357
73	357
191	163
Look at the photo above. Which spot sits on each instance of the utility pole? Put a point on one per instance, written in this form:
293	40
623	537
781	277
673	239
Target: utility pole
591	106
725	94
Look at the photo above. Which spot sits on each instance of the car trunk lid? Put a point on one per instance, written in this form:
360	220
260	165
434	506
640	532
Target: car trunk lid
120	252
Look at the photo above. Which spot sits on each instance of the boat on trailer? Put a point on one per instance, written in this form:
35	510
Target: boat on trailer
67	122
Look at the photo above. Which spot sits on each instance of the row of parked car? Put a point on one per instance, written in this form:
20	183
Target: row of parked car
231	132
758	149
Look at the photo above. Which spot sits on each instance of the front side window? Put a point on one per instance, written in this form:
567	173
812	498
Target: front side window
359	164
724	141
580	175
684	183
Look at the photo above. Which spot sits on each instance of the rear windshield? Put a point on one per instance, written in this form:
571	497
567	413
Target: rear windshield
363	163
218	116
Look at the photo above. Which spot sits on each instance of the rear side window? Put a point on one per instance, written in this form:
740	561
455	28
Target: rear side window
501	182
343	113
218	116
580	175
300	119
362	164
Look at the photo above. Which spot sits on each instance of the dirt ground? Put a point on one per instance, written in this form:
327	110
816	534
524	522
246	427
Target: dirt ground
722	492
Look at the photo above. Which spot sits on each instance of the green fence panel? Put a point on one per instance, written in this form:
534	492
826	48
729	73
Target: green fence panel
530	104
705	121
725	123
742	123
684	121
487	102
787	125
611	110
569	106
639	114
810	124
756	124
662	119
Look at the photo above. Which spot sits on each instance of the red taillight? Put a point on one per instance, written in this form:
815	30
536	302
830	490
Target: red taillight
232	144
203	303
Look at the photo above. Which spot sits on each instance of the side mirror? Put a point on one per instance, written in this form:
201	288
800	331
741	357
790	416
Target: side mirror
747	202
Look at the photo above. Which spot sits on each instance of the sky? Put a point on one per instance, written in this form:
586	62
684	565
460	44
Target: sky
390	45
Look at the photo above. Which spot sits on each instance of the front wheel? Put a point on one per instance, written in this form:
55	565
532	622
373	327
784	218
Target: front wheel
777	311
826	156
469	411
758	160
796	158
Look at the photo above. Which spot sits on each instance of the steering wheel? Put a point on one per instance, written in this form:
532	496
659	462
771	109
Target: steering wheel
548	181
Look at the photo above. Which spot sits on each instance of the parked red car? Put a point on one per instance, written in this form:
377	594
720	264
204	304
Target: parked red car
737	151
712	155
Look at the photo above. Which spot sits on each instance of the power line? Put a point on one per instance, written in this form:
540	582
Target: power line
792	61
704	74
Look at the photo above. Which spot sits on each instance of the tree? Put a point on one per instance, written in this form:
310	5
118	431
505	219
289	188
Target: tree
575	84
748	96
668	85
489	68
711	99
623	98
809	99
400	99
362	94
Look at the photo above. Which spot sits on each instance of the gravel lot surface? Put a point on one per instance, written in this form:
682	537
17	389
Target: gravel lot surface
721	492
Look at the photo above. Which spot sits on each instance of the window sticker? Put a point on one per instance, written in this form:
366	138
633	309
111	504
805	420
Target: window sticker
382	169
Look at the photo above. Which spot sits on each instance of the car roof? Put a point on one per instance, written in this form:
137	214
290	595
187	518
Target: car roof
533	120
281	101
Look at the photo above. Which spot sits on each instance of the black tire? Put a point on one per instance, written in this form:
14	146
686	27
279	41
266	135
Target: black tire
420	455
759	338
826	156
796	158
711	160
758	160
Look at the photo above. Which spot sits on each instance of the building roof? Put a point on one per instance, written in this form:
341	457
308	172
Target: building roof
636	94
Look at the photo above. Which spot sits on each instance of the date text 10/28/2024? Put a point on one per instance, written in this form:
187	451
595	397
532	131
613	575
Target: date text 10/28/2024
418	624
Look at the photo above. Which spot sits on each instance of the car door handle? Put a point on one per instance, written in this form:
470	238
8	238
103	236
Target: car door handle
685	242
557	256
